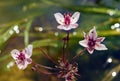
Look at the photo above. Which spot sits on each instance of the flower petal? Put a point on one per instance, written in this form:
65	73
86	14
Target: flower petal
67	27
22	66
59	18
72	26
83	43
100	39
85	36
93	34
28	51
99	46
75	17
14	53
64	27
90	50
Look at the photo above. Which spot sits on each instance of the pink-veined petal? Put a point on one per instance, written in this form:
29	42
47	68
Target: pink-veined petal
99	46
83	43
28	51
64	27
100	39
59	18
75	17
93	34
67	27
90	50
61	26
19	62
22	66
72	26
14	53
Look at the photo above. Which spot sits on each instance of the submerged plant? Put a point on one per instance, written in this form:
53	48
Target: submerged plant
64	68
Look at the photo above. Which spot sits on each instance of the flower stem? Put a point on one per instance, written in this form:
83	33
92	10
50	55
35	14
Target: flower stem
63	51
43	69
76	56
48	57
42	66
65	46
26	33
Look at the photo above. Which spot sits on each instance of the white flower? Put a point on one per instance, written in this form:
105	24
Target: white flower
66	21
91	41
22	58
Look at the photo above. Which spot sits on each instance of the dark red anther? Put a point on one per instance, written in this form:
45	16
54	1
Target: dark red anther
91	43
21	56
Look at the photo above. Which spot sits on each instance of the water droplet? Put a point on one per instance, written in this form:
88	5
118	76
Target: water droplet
40	29
116	25
56	33
110	12
16	29
11	32
74	33
10	64
114	74
112	27
109	60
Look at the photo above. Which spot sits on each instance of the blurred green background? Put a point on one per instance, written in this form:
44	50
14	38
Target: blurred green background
24	22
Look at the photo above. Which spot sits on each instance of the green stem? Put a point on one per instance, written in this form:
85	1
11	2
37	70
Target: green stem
94	9
76	56
26	33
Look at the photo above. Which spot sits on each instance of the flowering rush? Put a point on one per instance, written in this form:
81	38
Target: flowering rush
67	21
22	58
68	70
92	41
